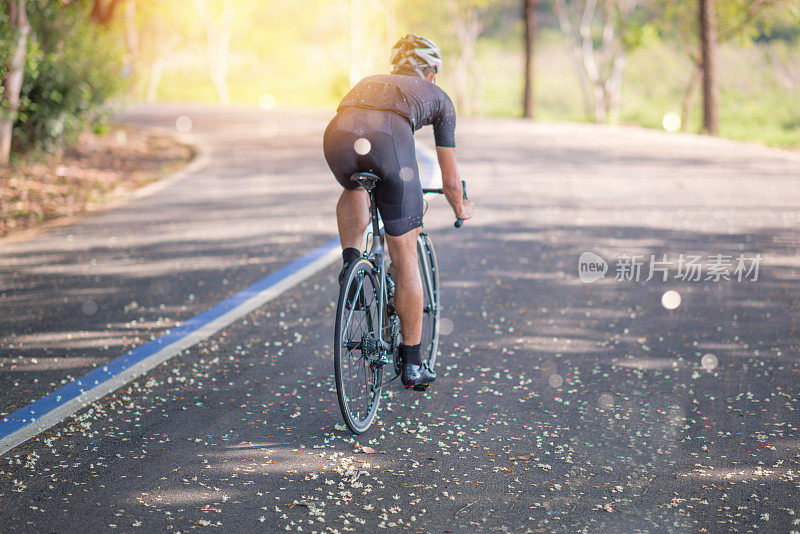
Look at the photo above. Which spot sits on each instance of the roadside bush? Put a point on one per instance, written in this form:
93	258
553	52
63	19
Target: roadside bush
72	70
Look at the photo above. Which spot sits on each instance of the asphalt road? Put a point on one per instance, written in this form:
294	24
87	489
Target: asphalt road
561	405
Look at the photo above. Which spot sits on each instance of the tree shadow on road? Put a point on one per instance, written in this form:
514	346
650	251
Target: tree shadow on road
649	418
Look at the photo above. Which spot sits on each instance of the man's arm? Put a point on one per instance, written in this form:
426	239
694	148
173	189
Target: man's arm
451	183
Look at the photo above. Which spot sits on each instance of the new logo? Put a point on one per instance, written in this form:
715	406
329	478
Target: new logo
591	267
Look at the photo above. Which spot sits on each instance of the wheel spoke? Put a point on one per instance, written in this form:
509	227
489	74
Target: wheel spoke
431	307
358	381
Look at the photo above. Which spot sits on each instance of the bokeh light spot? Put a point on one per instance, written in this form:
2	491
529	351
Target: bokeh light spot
605	400
266	101
555	380
406	174
671	122
709	362
671	299
183	124
362	146
89	307
445	326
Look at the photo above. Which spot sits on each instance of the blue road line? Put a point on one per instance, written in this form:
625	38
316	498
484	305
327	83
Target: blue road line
35	410
17	427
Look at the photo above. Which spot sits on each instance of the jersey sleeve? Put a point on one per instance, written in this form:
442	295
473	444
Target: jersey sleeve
444	123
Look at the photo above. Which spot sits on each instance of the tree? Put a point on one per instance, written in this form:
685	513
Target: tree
529	16
600	66
355	10
372	33
153	31
468	19
131	34
217	18
15	73
390	21
708	46
740	20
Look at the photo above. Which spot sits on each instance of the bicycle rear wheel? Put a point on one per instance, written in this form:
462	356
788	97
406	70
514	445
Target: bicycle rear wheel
359	375
432	307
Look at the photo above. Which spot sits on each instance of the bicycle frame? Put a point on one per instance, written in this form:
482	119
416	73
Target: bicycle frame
376	253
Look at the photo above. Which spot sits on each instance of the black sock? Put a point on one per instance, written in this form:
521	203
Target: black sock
349	254
411	354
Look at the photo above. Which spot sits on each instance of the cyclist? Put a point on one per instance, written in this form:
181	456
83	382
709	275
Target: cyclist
373	131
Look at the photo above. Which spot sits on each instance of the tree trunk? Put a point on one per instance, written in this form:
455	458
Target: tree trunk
468	23
218	38
390	14
708	40
356	41
600	67
613	89
12	85
219	48
599	101
529	100
131	31
579	33
462	87
156	69
590	67
562	13
688	96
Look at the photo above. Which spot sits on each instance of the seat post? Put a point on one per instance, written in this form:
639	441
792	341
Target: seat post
368	181
377	246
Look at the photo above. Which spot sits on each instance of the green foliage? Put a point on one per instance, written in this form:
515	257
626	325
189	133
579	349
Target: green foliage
72	70
5	50
299	53
638	35
5	43
741	21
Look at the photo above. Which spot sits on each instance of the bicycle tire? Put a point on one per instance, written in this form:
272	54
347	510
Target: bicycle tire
432	306
361	273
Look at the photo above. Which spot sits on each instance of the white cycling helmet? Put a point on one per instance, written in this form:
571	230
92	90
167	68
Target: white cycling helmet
417	54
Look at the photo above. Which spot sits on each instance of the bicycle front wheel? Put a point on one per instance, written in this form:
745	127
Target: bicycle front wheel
432	307
359	375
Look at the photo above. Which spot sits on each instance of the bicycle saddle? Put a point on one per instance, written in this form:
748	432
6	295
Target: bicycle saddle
367	180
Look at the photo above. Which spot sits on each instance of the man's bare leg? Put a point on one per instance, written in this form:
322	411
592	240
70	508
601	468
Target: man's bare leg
352	216
408	285
408	299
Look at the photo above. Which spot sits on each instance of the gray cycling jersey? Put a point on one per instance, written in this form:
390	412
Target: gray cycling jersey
415	99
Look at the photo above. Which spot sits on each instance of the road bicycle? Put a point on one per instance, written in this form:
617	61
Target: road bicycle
367	332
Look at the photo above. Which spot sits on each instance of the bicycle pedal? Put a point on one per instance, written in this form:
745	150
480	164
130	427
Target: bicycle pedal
421	387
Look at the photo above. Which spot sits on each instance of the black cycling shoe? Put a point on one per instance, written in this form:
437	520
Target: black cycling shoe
343	272
417	376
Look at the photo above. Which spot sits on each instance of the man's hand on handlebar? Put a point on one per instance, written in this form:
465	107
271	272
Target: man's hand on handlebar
465	211
456	196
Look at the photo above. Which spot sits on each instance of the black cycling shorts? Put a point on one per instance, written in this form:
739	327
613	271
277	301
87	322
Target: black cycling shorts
389	153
